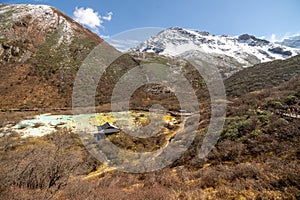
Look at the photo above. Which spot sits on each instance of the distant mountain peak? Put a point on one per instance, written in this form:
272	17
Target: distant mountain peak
175	28
293	42
203	41
242	51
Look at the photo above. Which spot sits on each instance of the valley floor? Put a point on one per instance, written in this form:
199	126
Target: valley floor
261	165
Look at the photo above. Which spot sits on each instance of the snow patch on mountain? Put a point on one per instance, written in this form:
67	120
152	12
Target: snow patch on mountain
245	49
42	15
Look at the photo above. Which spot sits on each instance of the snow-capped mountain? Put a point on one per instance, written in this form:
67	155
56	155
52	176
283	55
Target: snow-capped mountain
229	53
44	17
293	42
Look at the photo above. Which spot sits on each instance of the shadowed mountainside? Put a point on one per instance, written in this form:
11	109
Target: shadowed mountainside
261	76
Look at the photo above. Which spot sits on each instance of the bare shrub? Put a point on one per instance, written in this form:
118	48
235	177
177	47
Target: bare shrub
45	163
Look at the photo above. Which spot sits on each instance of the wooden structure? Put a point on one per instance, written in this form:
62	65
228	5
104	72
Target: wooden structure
105	129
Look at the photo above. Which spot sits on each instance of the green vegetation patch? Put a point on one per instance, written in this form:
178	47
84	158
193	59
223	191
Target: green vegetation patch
248	125
53	55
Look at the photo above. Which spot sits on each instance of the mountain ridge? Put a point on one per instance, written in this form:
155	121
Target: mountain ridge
262	76
41	50
242	51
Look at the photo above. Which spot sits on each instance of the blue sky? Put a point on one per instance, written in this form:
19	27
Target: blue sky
272	19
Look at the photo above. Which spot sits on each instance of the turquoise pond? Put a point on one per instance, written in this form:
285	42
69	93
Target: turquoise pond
47	123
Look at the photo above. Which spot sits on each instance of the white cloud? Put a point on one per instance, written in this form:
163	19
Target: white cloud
131	38
281	37
108	17
105	36
273	38
123	44
289	35
88	17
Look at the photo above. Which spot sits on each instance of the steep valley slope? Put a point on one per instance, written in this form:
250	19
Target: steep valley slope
41	50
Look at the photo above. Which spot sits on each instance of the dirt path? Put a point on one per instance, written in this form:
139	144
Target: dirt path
102	169
181	128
